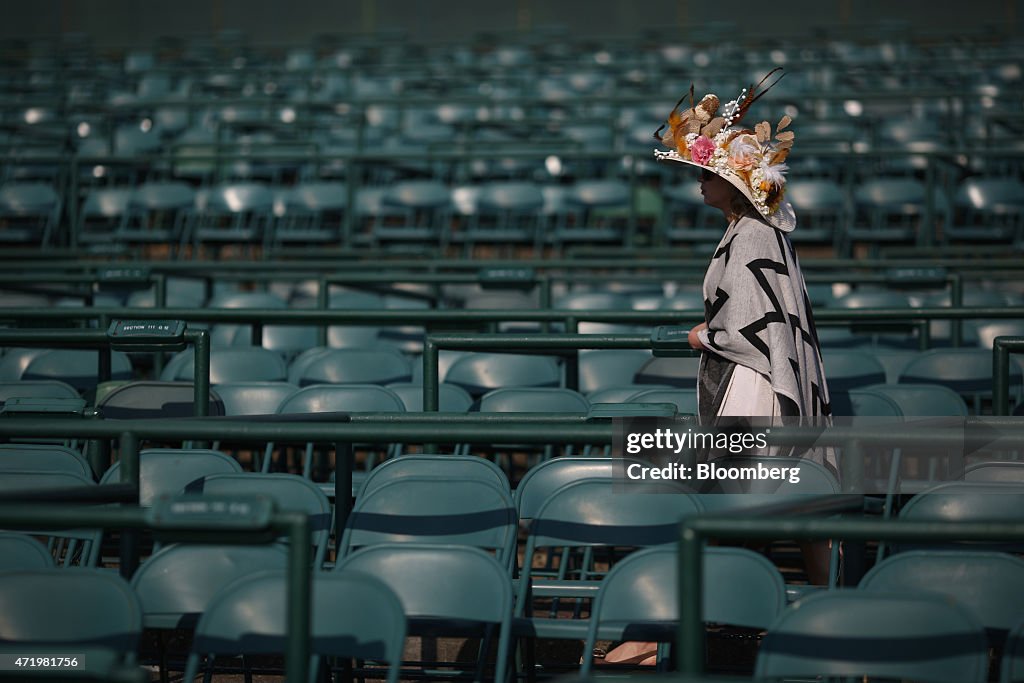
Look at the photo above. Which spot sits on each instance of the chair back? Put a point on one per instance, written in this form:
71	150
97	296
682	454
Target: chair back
986	583
741	588
250	618
455	467
920	637
148	400
20	551
433	510
170	471
534	400
179	582
89	612
443	582
43	458
288	491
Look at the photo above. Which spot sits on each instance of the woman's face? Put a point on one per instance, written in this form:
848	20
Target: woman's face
717	191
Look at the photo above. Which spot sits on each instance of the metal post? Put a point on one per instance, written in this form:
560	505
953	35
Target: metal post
72	204
690	637
105	362
630	237
128	455
322	302
129	458
924	238
544	297
1000	377
352	170
201	370
97	450
572	370
160	300
956	300
344	463
296	661
160	290
924	335
430	376
431	390
851	468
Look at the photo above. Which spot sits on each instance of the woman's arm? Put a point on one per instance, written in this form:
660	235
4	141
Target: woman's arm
694	338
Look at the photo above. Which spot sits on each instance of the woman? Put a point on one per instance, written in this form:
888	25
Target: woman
762	356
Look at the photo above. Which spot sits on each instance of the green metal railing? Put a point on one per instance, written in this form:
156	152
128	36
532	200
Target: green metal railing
109	276
694	533
477	428
98	339
370	428
561	344
294	525
477	318
129	445
1002	347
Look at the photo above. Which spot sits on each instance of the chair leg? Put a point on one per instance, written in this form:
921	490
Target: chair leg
162	656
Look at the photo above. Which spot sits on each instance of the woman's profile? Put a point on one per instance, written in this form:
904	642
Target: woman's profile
762	357
760	352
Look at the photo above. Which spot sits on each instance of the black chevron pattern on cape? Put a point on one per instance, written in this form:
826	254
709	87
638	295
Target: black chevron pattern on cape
725	250
765	275
777	315
711	309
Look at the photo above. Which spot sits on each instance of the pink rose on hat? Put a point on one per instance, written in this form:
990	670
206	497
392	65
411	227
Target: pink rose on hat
702	149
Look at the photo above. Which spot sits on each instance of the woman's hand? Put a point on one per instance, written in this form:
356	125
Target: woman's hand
694	339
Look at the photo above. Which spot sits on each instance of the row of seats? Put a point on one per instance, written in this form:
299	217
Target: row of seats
178	583
251	380
156	399
315	213
430	212
902	623
168	472
257	88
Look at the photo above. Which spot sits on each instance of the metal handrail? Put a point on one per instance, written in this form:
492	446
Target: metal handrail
1002	347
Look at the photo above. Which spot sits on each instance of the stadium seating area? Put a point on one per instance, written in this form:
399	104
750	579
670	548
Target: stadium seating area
417	288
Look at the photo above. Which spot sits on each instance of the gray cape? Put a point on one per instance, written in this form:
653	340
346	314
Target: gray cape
759	315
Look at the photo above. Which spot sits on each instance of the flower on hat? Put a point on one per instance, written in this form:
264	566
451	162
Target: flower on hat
744	153
702	149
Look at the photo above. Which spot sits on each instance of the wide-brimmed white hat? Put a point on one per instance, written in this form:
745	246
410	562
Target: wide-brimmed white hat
753	161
